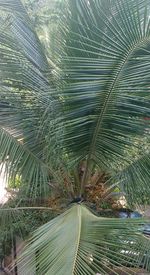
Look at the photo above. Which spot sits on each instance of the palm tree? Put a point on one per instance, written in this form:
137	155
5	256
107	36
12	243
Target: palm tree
68	129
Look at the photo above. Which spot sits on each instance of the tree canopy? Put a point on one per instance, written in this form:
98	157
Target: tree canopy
74	98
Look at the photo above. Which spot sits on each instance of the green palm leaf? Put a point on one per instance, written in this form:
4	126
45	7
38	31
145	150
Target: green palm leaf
134	180
24	69
88	245
107	68
13	6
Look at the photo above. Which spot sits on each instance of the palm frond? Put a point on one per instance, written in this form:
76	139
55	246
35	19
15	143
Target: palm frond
77	242
106	64
14	6
134	180
23	162
26	97
18	222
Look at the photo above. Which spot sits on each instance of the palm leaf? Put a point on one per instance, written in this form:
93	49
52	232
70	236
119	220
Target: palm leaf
106	63
18	222
13	6
26	78
134	180
88	245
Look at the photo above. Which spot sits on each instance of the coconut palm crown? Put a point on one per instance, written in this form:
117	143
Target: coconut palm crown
69	126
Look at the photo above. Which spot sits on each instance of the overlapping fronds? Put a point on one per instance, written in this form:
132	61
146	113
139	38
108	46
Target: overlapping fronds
103	85
59	134
26	96
106	64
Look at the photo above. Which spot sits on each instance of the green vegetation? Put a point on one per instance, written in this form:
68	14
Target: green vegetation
73	134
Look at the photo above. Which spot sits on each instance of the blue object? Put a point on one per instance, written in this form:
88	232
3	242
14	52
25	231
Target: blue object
135	215
129	214
123	215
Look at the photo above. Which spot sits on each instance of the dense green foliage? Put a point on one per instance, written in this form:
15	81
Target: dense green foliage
74	97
